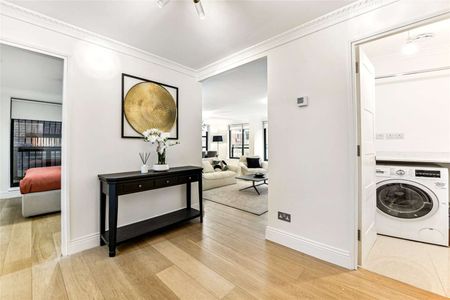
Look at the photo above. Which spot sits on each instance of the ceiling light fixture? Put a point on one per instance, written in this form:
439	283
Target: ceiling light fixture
411	46
199	7
162	3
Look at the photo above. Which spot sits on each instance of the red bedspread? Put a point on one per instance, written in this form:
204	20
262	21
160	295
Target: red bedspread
41	180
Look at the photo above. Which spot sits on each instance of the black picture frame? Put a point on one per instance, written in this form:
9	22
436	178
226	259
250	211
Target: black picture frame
123	119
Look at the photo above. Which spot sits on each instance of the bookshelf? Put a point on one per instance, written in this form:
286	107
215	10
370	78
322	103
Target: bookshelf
34	143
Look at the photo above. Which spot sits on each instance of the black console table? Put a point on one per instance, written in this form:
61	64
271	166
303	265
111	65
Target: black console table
115	185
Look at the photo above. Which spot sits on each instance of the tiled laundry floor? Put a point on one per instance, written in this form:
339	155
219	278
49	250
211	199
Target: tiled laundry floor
421	265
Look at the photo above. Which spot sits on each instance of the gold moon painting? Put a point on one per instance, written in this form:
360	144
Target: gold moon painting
149	105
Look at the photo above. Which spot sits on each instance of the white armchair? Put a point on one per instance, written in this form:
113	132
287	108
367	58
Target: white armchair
245	170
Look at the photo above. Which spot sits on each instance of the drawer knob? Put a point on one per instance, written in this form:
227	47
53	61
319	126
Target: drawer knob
140	185
190	177
167	181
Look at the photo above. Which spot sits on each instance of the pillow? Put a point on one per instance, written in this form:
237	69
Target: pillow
207	167
253	162
220	165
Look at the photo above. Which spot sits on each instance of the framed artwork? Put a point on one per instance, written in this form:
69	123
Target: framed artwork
148	104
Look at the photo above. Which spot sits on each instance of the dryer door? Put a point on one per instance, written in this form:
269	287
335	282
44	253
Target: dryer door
406	199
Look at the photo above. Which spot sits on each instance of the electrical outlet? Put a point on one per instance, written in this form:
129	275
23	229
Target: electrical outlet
284	216
395	136
380	136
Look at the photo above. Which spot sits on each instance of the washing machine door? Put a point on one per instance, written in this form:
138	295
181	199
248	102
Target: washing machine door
405	199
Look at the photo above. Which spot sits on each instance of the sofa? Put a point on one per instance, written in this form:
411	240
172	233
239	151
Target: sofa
217	178
245	170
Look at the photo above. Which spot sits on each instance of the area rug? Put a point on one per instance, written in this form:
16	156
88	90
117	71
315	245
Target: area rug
247	200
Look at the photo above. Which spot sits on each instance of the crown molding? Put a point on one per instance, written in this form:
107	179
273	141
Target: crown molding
241	57
16	12
259	50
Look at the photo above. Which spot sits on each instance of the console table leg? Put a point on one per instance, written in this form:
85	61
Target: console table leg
102	213
113	203
200	198
188	195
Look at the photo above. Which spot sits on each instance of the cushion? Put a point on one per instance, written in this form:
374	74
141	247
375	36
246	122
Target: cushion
253	162
218	175
219	165
207	167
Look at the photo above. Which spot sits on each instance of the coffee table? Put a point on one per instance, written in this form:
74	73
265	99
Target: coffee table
254	180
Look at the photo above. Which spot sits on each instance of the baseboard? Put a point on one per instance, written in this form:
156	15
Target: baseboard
13	193
83	243
319	250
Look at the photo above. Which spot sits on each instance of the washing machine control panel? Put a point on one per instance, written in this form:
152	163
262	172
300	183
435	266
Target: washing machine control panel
428	173
394	172
400	172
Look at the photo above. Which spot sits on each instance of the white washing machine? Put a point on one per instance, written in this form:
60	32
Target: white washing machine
412	203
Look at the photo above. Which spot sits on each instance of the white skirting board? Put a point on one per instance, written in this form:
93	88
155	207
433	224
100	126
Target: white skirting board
84	243
319	250
10	194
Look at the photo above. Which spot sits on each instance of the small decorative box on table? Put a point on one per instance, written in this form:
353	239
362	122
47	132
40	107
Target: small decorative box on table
117	184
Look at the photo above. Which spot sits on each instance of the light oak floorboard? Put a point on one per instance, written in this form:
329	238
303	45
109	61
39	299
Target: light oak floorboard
48	282
16	285
226	257
182	285
78	279
213	282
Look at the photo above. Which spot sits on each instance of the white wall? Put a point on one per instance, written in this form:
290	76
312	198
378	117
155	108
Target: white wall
93	104
418	107
317	183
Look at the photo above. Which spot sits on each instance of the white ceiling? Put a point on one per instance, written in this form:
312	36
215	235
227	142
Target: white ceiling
238	95
387	57
31	72
175	32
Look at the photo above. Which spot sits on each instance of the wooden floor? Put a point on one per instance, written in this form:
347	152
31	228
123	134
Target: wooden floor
226	258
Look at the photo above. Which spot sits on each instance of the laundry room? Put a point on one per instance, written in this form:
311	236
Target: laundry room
403	81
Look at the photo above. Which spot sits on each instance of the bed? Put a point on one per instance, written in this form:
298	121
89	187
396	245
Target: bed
41	191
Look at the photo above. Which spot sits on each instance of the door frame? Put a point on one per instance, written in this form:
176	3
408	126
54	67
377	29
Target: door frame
355	104
65	154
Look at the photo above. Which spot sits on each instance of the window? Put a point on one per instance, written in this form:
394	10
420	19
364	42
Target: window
239	136
205	137
34	143
266	140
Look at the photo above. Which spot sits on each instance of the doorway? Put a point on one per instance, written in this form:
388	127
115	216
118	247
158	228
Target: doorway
403	92
236	130
33	214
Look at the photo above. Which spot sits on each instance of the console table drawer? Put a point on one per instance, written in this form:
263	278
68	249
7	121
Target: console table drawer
189	178
134	187
163	182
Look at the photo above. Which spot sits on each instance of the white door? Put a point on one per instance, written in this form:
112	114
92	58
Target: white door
365	80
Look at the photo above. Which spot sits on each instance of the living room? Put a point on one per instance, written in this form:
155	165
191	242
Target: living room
235	138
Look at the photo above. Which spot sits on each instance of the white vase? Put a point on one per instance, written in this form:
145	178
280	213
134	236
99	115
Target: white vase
161	167
144	169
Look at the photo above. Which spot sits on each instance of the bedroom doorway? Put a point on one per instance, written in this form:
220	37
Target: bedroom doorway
32	212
